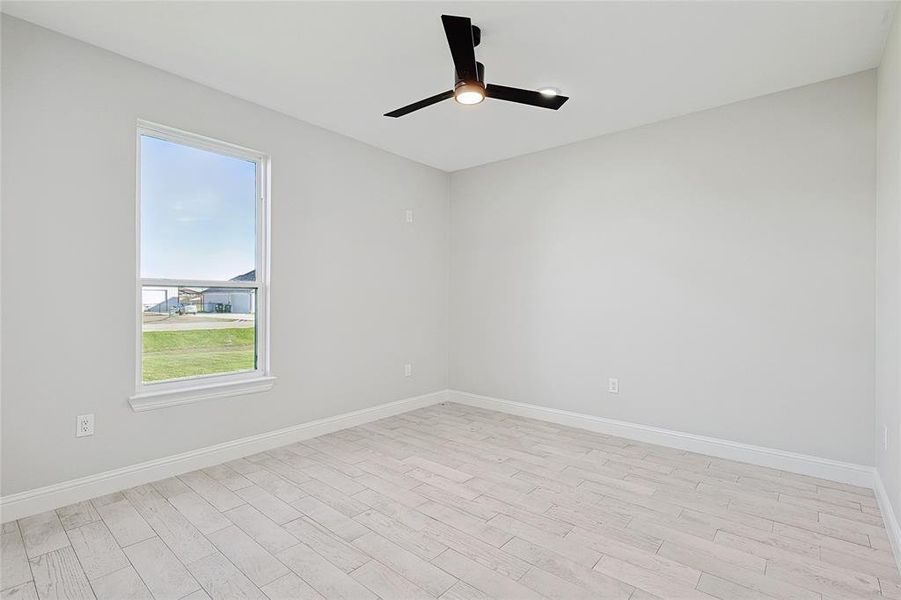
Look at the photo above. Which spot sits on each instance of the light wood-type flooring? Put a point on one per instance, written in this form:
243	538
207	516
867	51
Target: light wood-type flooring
457	503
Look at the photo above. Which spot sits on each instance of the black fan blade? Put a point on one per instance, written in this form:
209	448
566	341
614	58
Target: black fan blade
421	104
459	37
532	98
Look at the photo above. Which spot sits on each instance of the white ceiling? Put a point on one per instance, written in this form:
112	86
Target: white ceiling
341	65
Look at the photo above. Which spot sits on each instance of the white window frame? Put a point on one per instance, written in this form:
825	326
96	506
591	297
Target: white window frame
172	392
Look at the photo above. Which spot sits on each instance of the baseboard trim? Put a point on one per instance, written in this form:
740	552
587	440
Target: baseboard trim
23	504
889	517
824	468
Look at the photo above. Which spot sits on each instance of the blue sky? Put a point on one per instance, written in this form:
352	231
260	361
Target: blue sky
198	212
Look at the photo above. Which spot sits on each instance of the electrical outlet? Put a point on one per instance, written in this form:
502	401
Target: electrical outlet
409	215
613	385
408	370
885	437
84	425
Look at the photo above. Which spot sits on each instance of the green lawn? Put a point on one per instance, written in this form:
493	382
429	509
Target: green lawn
192	352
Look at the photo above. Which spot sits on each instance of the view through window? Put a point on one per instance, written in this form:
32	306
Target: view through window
200	213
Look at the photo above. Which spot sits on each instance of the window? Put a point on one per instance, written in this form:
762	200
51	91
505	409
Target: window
202	268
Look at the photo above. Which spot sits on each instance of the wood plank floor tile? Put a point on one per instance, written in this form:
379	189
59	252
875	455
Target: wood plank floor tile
565	568
323	576
467	523
42	533
76	515
185	540
291	587
768	546
647	579
173	486
488	581
271	506
14	567
124	522
276	485
266	532
346	505
726	590
736	557
97	550
474	549
221	579
826	579
333	520
124	584
23	591
578	553
400	534
551	586
422	573
57	574
336	479
9	527
386	583
878	563
199	512
251	558
164	575
228	477
707	562
464	591
211	490
338	552
438	469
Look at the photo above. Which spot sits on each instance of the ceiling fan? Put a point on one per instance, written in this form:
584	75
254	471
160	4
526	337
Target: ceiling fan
470	88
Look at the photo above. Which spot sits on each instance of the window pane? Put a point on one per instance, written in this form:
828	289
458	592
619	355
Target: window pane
198	213
188	332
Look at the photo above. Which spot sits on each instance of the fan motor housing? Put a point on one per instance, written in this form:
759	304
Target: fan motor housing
480	73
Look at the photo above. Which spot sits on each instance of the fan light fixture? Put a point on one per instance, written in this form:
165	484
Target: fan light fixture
469	93
469	75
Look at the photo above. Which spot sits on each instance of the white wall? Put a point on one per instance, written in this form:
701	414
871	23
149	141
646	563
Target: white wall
719	264
356	292
888	265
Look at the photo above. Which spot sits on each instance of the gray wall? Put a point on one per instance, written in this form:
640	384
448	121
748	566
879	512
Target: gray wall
719	264
356	292
888	266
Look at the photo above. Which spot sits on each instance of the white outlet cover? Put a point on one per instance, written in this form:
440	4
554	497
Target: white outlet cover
408	370
613	385
409	216
84	425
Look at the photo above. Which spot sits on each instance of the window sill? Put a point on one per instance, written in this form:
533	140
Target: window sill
166	398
